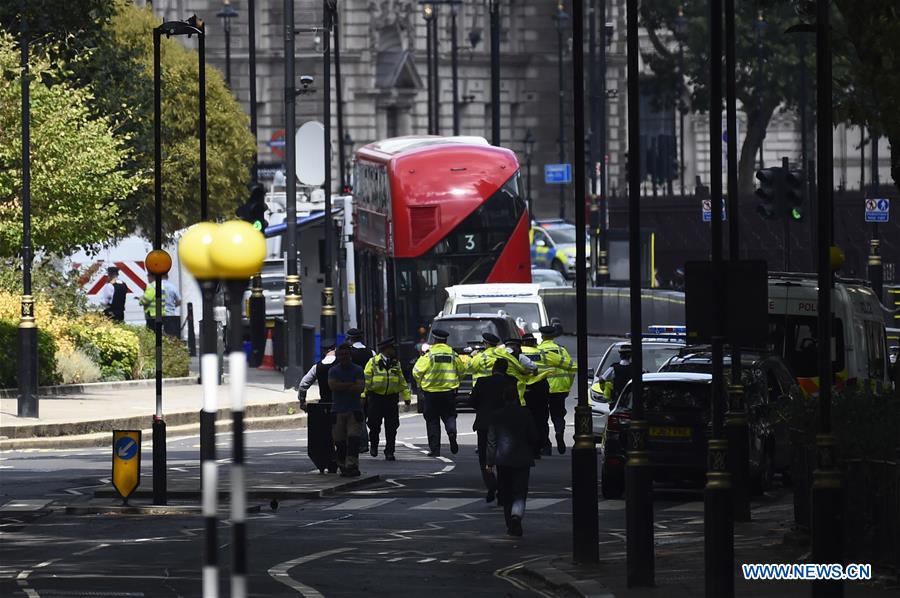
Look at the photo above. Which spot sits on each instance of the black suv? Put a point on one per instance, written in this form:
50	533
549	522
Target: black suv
465	337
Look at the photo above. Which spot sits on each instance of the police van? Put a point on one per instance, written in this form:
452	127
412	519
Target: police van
859	341
520	301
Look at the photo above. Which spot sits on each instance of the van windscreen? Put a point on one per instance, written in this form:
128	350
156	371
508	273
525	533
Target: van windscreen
796	339
529	312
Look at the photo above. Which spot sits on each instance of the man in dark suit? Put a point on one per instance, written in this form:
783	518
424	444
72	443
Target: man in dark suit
486	398
512	440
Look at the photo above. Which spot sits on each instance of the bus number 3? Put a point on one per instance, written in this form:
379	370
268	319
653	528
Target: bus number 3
470	242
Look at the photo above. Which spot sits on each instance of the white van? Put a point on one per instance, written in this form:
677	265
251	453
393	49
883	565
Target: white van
860	346
518	300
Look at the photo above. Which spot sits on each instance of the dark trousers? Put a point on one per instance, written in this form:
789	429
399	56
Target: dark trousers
536	399
557	408
172	325
512	490
439	406
384	407
488	477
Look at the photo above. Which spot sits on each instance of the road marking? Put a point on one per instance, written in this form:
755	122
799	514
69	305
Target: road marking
506	575
360	504
312	523
25	504
91	549
539	503
280	572
611	505
688	507
445	504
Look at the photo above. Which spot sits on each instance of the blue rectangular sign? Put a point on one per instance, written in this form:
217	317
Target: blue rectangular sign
557	174
878	210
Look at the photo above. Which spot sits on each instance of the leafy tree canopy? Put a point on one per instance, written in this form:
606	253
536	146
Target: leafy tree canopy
78	179
767	63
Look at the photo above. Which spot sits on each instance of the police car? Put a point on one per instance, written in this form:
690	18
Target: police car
553	246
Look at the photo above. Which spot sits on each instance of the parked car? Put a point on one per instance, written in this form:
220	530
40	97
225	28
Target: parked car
553	246
546	278
769	387
465	337
656	351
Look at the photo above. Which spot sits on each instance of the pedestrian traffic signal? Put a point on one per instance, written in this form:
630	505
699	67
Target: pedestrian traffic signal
793	192
254	211
769	192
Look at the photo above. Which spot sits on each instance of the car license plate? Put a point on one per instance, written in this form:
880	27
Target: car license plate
670	432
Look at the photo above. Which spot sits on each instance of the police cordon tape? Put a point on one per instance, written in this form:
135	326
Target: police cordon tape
609	311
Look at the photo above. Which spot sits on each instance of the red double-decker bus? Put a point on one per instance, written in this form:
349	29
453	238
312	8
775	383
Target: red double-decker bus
431	212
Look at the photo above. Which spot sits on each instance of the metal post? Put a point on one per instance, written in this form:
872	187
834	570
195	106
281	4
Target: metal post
454	68
602	251
528	185
736	417
159	425
237	372
804	141
560	19
428	75
251	17
827	494
718	506
586	535
640	565
227	53
191	334
209	480
495	71
257	307
27	404
293	315
329	316
339	100
593	106
435	72
204	189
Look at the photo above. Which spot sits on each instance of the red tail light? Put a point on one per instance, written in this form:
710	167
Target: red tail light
617	421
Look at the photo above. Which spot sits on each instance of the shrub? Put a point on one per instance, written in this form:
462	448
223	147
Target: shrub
9	348
76	367
115	348
176	360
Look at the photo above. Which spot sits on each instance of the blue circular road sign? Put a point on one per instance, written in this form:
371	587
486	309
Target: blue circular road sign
126	448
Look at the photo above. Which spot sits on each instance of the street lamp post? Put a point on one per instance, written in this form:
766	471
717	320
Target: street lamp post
347	143
27	404
454	66
329	314
560	19
585	532
640	564
339	93
251	19
680	30
494	6
226	14
602	252
528	142
428	15
760	30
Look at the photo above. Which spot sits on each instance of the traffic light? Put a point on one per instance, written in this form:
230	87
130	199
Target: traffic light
254	211
769	192
793	194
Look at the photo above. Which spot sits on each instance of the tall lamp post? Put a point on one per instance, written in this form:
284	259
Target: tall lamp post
428	15
680	30
605	40
560	19
339	94
251	23
760	30
226	14
494	6
586	535
27	404
528	142
348	142
329	314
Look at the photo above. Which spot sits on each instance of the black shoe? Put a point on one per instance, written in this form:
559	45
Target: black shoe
561	444
373	449
515	526
390	458
454	446
434	453
491	495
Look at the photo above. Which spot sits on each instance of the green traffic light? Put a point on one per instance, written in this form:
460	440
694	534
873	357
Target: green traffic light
796	214
257	225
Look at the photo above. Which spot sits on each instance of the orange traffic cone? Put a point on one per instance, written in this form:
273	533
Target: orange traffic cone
268	360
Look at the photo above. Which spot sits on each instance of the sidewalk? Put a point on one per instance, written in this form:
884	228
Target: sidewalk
679	550
86	417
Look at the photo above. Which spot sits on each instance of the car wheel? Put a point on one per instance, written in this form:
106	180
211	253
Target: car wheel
612	482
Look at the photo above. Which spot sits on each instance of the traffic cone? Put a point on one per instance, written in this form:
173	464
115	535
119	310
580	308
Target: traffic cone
268	360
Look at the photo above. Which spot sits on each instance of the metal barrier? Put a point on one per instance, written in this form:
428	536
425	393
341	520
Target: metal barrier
608	308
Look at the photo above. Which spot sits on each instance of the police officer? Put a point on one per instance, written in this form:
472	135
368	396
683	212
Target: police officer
319	423
480	363
562	370
437	373
361	353
617	375
537	392
520	366
385	384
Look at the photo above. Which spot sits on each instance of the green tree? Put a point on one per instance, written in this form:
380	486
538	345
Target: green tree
759	91
77	175
867	79
122	66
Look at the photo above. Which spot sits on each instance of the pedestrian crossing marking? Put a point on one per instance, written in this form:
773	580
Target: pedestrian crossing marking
688	507
25	504
360	504
611	505
446	504
533	504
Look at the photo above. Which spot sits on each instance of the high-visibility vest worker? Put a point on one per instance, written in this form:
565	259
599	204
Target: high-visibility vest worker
481	364
560	364
384	376
536	355
439	369
517	369
149	300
